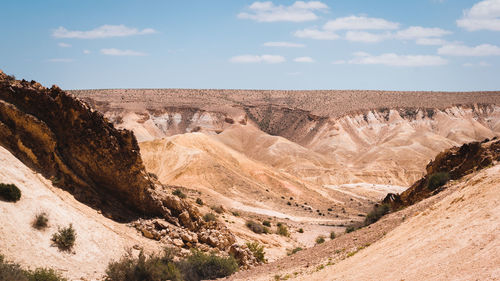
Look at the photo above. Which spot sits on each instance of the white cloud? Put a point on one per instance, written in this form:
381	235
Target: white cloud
430	41
462	50
258	59
392	59
366	37
60	60
104	31
86	52
284	44
118	52
360	23
315	34
483	15
63	45
304	59
416	32
299	11
480	64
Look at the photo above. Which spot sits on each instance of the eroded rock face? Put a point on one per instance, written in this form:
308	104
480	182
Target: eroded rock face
457	162
66	141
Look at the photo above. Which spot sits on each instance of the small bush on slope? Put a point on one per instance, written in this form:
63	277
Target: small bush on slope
255	227
437	180
41	221
65	238
179	193
201	266
377	212
283	230
10	192
257	251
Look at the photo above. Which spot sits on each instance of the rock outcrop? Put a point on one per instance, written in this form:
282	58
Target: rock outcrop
80	151
456	162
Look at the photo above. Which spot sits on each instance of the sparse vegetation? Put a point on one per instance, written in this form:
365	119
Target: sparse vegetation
257	251
41	221
332	235
199	201
10	192
377	212
65	238
198	266
13	272
301	230
218	209
283	230
320	239
235	213
266	223
209	217
179	193
255	227
350	229
294	250
437	180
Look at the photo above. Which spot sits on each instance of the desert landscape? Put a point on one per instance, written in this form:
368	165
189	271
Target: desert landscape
143	152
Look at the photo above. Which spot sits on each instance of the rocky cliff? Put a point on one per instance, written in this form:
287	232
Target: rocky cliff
454	163
81	152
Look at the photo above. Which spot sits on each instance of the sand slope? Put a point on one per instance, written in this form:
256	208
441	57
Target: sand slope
99	239
456	239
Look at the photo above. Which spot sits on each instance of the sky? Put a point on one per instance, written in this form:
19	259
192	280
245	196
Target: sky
436	45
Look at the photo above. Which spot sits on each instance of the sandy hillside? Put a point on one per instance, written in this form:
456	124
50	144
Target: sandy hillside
450	236
98	241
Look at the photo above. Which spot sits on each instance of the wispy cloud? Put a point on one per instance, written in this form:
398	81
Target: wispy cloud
118	52
466	51
430	41
484	15
366	37
479	64
104	31
416	32
316	34
63	45
65	60
304	59
299	11
360	23
284	44
258	59
86	52
391	59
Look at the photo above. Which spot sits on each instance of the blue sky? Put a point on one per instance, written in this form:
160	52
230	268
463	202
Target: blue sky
451	45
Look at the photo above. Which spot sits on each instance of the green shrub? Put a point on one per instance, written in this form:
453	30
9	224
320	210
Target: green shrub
10	192
266	230
45	274
11	272
437	180
295	250
209	217
218	209
14	272
350	229
283	230
301	230
332	235
266	223
320	239
377	212
41	221
179	193
199	201
65	238
143	269
201	266
257	251
255	227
